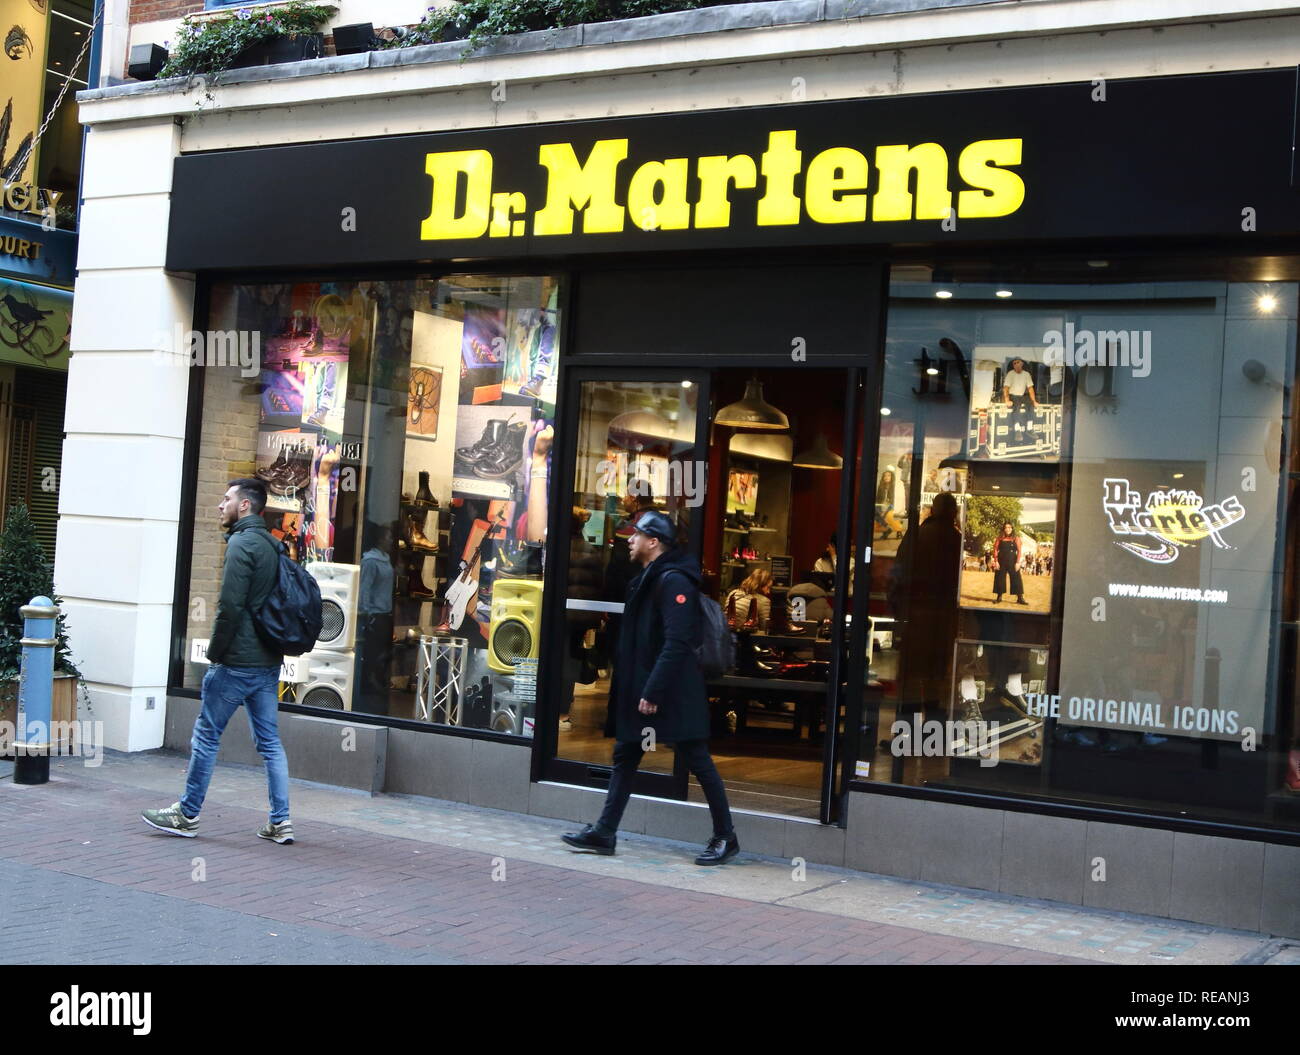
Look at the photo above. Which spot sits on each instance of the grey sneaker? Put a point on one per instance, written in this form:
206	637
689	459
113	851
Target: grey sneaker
277	833
172	821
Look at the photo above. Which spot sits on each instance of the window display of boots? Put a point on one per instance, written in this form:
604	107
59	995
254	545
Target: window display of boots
423	496
416	536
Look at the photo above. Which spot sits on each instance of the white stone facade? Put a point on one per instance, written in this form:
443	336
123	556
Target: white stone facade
126	415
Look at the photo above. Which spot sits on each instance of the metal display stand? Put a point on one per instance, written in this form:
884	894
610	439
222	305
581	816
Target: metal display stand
440	677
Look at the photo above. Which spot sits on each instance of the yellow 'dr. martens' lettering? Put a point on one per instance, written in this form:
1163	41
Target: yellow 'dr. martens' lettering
588	187
999	192
716	173
447	169
673	211
782	161
894	198
830	174
835	186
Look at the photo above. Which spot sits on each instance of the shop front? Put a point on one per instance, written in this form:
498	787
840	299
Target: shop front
976	408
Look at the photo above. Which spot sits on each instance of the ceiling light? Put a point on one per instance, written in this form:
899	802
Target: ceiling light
686	384
819	457
943	294
1099	263
1266	302
933	371
644	423
1004	293
1178	476
752	412
885	412
771	446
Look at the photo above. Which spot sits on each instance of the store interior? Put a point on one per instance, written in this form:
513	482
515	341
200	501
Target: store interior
767	546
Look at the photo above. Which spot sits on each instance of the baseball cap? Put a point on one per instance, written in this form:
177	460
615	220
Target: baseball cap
656	525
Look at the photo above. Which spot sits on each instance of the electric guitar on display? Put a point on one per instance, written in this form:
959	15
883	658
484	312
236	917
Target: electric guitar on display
464	587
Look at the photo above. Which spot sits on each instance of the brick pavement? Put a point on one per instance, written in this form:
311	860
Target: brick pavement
108	889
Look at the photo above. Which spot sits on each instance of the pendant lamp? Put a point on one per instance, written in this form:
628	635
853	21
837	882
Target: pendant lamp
752	412
819	457
644	423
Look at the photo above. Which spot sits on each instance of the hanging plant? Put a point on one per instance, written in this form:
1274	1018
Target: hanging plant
210	45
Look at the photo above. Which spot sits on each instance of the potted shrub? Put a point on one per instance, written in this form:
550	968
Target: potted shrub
285	33
25	572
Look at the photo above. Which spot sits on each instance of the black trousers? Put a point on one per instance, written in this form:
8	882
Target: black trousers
627	757
1000	581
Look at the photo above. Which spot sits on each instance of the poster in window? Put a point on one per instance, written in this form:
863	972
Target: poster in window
892	488
1013	412
1008	552
482	349
742	491
491	445
998	691
284	463
1178	552
424	396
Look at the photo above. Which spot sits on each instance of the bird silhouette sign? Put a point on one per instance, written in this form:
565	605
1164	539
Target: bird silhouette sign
36	333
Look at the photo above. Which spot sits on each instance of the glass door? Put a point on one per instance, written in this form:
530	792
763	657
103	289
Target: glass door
632	440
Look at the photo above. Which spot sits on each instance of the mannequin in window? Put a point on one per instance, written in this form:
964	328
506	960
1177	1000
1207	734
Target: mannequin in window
1007	554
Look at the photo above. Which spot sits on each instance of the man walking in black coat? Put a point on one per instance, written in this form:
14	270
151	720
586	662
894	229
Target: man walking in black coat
658	693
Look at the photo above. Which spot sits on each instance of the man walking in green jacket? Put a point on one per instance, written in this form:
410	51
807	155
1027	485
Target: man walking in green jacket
243	671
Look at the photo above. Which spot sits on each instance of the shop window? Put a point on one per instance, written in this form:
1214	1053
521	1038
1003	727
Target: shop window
403	432
1082	581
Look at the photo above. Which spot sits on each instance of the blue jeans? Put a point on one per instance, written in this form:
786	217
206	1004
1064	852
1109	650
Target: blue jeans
225	690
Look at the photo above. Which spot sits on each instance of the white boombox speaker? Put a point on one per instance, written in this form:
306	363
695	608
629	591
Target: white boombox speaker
513	633
328	681
339	585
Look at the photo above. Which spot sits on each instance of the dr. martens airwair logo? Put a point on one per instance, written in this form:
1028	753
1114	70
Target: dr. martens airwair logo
838	187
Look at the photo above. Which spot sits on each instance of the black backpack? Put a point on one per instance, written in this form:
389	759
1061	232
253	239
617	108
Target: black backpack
290	619
716	651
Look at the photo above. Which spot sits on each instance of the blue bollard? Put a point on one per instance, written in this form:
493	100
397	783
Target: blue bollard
35	692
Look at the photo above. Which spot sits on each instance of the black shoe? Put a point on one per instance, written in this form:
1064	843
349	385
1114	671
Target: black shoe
721	849
591	841
493	432
1021	600
997	599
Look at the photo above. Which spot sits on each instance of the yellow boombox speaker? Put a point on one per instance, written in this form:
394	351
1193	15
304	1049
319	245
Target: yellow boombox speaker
514	631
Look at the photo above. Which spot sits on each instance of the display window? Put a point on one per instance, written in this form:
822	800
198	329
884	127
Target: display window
402	430
1082	571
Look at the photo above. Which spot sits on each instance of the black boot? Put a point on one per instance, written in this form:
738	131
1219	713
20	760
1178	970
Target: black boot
721	849
591	841
493	432
424	497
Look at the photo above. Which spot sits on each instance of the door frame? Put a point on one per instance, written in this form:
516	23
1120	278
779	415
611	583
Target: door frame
554	608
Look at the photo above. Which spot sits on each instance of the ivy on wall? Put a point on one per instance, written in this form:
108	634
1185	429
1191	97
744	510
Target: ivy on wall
479	21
